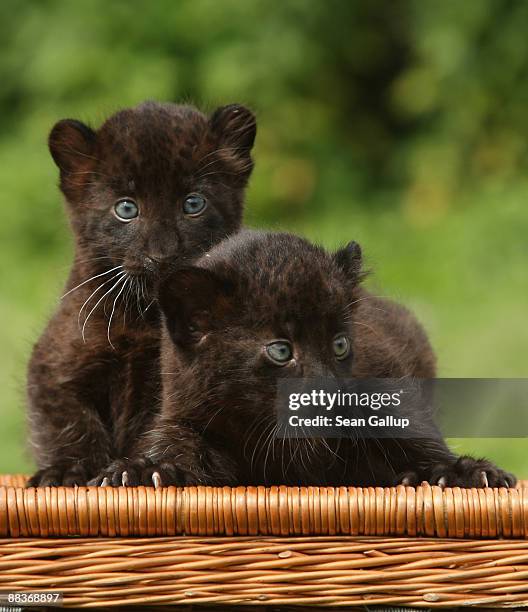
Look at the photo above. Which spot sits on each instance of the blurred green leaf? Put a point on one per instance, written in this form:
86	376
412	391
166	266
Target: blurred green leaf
399	123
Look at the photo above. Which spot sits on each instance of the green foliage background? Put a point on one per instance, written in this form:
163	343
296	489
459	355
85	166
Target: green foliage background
399	123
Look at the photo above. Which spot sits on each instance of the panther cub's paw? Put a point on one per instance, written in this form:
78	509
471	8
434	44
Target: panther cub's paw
140	472
469	472
464	472
59	476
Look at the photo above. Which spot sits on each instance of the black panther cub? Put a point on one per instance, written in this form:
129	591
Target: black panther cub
259	307
156	183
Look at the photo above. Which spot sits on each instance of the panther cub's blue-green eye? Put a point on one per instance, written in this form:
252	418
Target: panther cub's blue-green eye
126	210
280	352
194	205
341	346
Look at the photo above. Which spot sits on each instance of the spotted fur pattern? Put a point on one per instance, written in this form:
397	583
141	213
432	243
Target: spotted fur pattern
93	379
217	421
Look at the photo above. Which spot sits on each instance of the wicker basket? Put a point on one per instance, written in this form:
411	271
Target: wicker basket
423	547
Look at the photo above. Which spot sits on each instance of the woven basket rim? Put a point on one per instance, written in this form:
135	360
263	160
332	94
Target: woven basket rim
261	511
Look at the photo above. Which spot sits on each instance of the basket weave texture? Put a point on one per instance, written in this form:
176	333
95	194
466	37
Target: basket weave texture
281	511
268	547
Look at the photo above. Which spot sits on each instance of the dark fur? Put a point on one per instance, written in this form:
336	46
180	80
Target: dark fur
217	418
88	401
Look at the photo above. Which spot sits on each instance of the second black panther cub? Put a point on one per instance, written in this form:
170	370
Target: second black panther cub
262	306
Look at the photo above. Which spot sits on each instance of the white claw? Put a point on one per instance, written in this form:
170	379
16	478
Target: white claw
406	481
442	482
156	480
484	478
124	479
105	482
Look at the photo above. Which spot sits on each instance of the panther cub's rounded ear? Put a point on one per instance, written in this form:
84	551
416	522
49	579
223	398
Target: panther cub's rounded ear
193	301
235	125
70	143
349	259
72	146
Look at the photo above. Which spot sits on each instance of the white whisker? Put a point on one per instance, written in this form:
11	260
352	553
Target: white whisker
90	279
126	298
113	310
98	302
109	280
138	297
150	304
